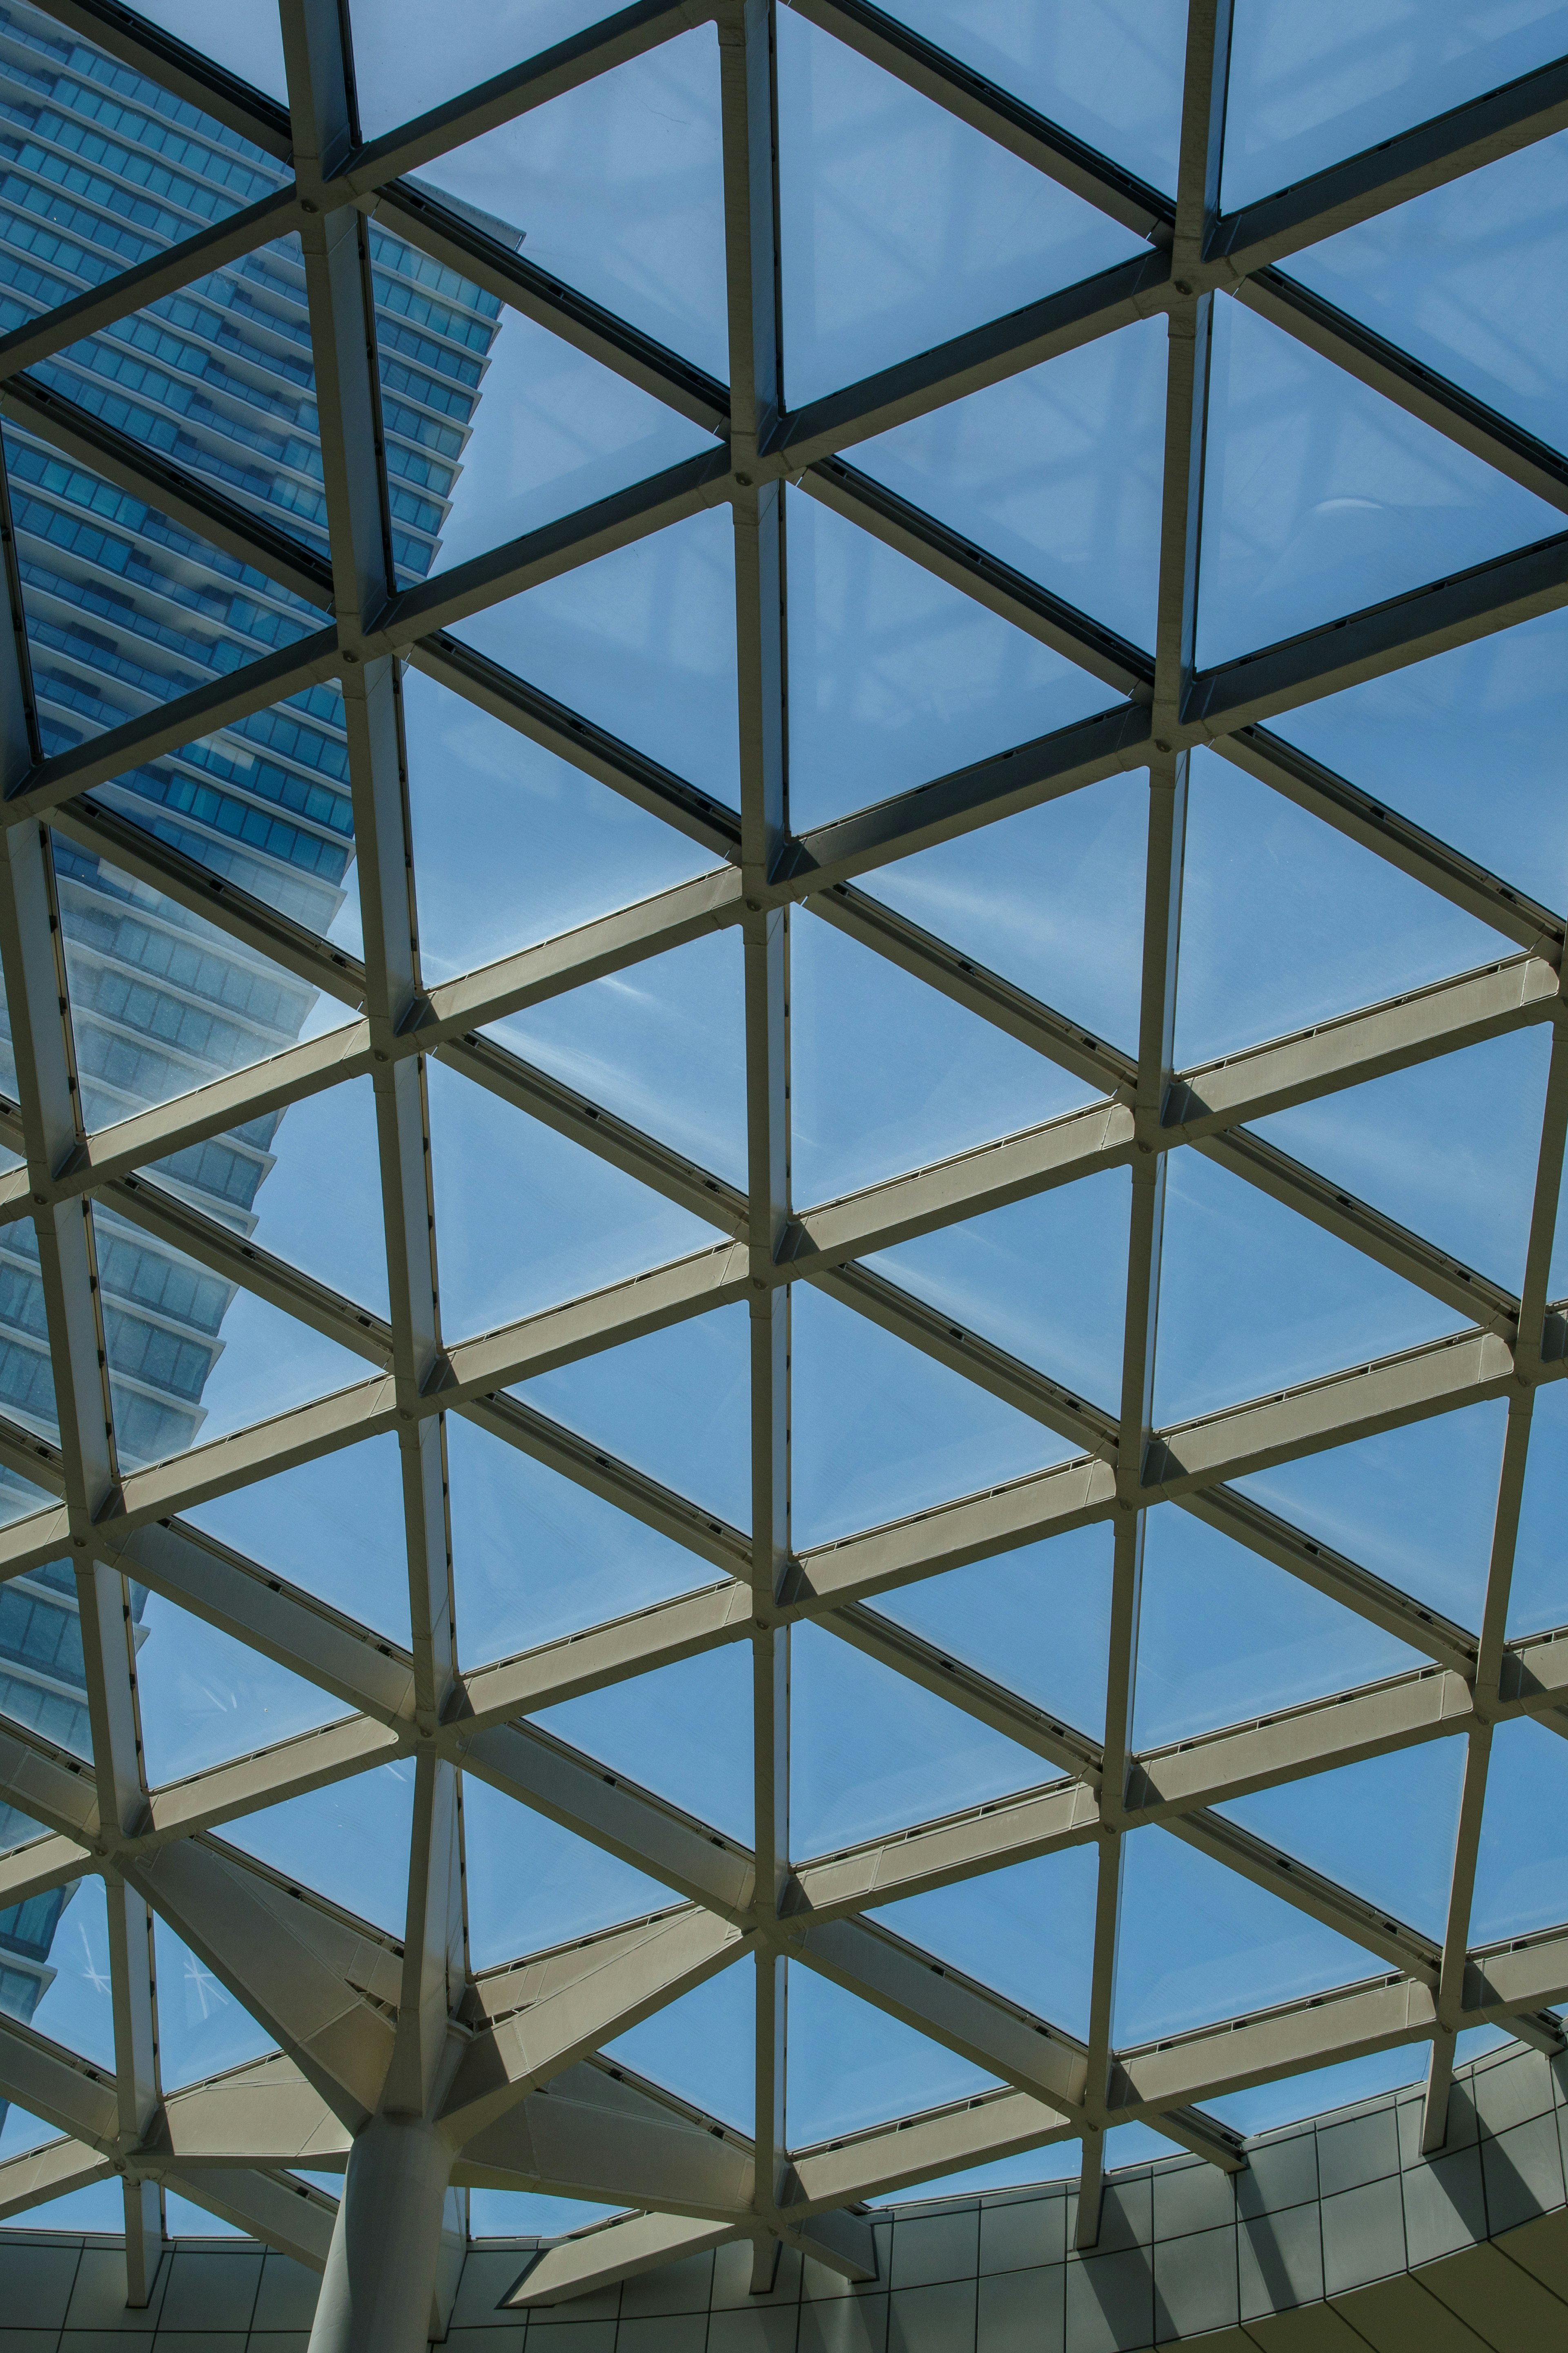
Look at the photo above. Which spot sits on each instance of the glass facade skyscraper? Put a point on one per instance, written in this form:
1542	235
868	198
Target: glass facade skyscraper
99	170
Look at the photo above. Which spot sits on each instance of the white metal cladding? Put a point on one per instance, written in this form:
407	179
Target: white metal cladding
391	2049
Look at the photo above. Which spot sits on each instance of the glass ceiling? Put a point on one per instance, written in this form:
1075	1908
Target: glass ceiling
784	1108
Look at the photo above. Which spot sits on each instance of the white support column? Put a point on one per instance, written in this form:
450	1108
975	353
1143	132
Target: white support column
383	2273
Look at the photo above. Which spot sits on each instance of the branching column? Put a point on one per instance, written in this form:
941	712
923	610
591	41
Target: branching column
384	2266
748	80
1186	388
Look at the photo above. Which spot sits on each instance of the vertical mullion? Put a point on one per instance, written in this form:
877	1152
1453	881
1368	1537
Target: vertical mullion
1186	386
750	107
387	2237
32	953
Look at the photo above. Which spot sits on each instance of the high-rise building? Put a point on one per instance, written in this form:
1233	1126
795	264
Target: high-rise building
100	169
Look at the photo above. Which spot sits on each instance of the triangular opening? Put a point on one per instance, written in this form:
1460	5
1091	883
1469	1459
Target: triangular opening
1057	471
1322	498
1051	899
191	1356
871	1751
901	225
1296	105
851	2065
898	678
1028	1932
661	1044
618	185
20	2132
320	1206
43	1640
400	72
348	1841
880	1431
1036	1620
201	2029
1267	2106
1432	739
205	1697
1045	1278
76	2005
887	1074
642	642
1384	1828
530	2214
532	1884
1522	1870
1199	1943
702	2046
559	848
1449	1147
1224	1636
334	1527
588	1224
1416	1505
535	1557
1538	1596
683	1731
676	1403
1254	1297
1284	921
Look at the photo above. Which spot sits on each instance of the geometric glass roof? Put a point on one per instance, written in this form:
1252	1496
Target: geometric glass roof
782	1301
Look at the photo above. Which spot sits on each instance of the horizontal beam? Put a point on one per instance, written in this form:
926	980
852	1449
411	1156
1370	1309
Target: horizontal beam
39	2175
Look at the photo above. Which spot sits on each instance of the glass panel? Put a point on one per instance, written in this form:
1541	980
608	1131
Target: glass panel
559	847
1450	1147
1056	470
661	1044
618	187
899	226
871	1751
1522	1871
182	2220
1413	1505
886	1075
587	1224
1430	737
76	2006
1045	1279
335	1232
1223	1636
1427	276
851	2065
248	43
523	2215
1108	70
1384	1827
206	1697
535	1557
1037	1619
898	678
1321	497
1051	899
532	1884
399	70
702	2046
1199	1944
1285	923
676	1403
172	1380
881	1430
1060	2162
642	642
43	1680
1268	2106
1028	1932
349	1840
202	2030
684	1731
20	2132
101	2208
28	1930
1309	86
1538	1598
335	1527
1254	1298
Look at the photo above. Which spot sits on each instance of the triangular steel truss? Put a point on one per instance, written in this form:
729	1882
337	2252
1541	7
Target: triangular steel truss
397	2061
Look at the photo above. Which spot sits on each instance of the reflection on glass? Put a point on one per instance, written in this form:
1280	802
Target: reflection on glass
1321	497
881	1430
1538	1596
532	1884
205	1697
1522	1871
683	1731
74	2001
1028	1931
335	1527
852	2065
1223	1636
202	2030
43	1676
898	678
871	1751
1384	1828
334	1231
901	225
535	1557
